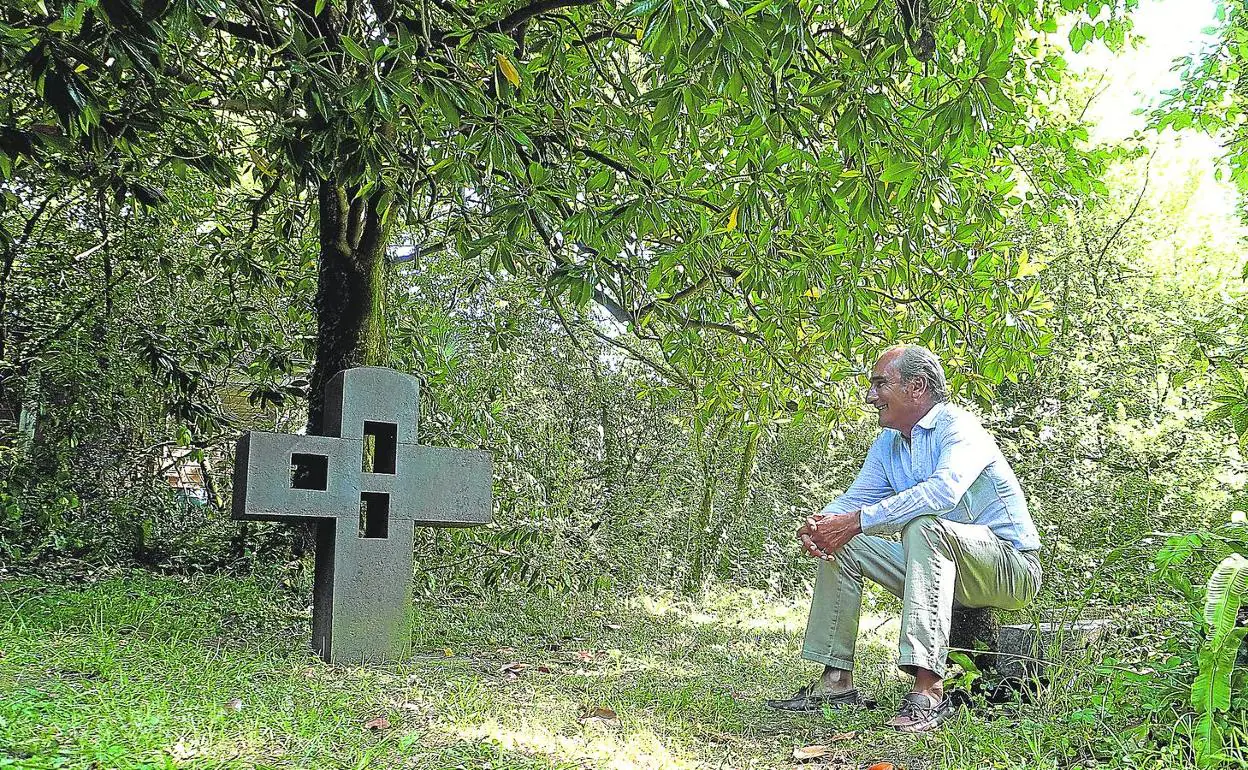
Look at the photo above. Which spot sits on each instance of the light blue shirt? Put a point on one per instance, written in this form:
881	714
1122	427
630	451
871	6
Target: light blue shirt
951	468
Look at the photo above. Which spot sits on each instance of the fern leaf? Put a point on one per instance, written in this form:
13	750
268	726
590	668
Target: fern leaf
1207	738
1205	689
1228	587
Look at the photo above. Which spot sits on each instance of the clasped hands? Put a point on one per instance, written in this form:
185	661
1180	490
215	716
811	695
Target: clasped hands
824	534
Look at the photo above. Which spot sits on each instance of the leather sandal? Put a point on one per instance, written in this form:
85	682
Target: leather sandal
921	713
809	700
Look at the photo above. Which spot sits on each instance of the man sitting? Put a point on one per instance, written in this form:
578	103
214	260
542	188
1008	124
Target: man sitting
937	478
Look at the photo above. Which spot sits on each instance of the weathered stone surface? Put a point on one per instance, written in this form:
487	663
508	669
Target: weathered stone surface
365	518
1026	648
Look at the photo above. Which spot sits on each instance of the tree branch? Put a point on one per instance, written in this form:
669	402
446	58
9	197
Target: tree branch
534	9
236	29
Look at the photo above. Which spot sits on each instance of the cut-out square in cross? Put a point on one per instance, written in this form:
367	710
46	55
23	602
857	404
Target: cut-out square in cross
366	484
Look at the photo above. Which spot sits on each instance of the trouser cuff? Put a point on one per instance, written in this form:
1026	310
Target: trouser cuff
935	666
828	660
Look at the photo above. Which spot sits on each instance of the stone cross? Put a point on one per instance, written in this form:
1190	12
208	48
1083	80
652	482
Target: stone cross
366	484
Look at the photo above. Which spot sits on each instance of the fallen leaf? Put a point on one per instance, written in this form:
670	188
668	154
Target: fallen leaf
599	714
544	669
505	651
838	737
614	626
807	753
447	652
408	705
512	671
585	655
377	723
883	766
234	704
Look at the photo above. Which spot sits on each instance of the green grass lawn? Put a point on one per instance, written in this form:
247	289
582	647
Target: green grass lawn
142	671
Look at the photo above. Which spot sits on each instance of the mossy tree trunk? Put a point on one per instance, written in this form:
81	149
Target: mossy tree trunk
351	328
712	530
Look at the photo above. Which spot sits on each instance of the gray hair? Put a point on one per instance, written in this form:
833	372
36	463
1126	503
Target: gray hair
919	363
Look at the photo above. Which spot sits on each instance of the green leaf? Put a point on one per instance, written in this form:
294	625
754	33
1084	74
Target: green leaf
1227	590
644	7
355	50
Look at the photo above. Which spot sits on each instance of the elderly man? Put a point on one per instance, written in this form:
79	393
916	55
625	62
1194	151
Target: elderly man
937	478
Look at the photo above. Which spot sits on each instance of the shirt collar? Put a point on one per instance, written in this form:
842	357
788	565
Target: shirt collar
928	421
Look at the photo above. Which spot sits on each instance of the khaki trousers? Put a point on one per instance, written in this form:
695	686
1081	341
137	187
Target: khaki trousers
936	563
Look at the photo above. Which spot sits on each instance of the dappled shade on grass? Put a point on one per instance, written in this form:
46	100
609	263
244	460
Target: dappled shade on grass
137	671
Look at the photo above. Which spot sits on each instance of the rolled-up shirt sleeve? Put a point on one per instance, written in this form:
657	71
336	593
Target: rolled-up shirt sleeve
871	484
962	456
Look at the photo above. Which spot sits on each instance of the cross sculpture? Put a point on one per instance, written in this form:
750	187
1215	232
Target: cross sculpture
366	484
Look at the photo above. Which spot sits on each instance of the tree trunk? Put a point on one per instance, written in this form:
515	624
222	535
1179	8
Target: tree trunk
351	325
711	529
708	549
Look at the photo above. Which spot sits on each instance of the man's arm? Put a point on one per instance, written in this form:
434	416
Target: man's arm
871	484
825	533
964	452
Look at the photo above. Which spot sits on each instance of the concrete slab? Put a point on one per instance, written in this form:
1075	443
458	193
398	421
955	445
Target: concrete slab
1025	649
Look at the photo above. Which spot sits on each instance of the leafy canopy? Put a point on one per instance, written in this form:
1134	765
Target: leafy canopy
761	193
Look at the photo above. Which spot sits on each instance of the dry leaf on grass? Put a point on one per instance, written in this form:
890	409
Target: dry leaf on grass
544	669
408	705
883	766
838	737
585	655
234	704
377	723
807	753
512	670
599	714
447	652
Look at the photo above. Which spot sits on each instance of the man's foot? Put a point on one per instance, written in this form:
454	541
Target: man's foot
812	698
920	713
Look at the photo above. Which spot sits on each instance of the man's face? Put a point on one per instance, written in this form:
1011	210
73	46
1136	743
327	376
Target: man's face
899	405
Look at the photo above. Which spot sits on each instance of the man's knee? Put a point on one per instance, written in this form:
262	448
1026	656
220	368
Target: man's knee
925	531
847	559
919	524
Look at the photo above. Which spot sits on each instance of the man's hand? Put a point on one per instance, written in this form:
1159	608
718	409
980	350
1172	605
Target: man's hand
823	535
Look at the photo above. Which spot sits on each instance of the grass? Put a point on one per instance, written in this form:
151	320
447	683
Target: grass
141	671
